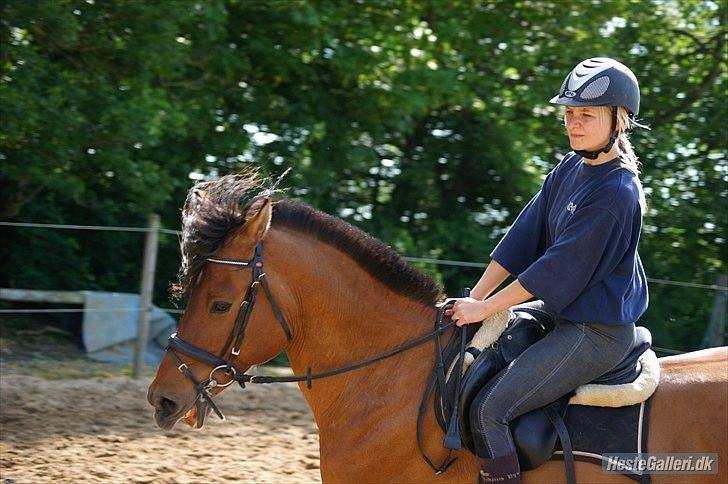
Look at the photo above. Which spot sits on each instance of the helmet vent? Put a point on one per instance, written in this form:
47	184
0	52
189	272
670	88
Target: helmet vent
596	88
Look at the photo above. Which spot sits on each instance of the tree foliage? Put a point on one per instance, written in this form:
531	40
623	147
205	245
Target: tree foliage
425	123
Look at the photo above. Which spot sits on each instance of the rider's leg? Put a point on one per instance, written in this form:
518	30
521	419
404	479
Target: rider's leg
571	355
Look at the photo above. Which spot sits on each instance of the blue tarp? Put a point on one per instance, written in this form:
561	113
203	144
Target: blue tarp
110	325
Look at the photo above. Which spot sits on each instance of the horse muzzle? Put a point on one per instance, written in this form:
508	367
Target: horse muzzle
168	409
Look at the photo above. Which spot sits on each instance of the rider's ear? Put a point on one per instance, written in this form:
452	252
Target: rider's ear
257	221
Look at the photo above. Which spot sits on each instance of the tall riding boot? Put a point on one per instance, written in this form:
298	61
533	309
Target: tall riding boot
501	470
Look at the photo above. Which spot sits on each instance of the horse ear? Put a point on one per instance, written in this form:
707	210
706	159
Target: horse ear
257	221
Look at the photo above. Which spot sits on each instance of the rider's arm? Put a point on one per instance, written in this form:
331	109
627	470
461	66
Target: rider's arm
493	276
528	236
511	295
472	310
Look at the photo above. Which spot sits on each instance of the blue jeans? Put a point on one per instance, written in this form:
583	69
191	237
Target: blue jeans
570	355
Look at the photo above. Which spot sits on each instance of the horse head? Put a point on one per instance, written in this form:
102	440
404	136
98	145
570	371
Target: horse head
210	349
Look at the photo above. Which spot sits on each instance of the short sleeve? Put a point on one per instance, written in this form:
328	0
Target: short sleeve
526	239
586	252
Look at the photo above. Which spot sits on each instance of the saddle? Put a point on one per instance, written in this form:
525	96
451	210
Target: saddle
535	433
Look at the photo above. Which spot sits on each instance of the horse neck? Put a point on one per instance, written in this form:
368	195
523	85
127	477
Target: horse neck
346	315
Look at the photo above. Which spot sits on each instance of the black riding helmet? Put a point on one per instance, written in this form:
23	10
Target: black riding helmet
601	81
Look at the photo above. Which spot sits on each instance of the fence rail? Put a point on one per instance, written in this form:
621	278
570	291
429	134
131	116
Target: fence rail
72	310
427	260
180	311
107	228
714	334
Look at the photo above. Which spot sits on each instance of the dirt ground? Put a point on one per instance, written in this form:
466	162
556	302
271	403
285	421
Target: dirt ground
101	430
65	419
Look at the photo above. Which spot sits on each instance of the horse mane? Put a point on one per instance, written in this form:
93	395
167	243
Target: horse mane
373	255
214	208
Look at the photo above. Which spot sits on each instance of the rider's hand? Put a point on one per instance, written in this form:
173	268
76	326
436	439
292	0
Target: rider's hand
467	310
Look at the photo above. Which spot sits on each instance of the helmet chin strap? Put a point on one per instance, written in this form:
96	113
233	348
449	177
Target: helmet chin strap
592	155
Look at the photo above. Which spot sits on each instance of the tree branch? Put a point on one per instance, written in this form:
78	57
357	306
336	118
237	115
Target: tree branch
19	199
704	85
702	43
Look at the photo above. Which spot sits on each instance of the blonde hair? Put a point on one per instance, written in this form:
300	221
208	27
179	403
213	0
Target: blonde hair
624	147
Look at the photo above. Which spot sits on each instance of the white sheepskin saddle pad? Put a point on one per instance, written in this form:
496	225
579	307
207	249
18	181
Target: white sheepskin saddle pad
621	395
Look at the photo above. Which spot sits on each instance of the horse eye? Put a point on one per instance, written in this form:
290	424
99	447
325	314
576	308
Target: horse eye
220	307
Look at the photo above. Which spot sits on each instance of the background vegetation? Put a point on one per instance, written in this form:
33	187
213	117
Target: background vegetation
425	123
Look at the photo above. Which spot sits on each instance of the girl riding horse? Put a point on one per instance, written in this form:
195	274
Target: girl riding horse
573	247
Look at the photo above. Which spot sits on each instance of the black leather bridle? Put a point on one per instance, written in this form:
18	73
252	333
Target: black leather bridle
176	344
218	363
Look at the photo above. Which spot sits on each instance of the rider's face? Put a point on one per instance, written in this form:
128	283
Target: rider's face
588	127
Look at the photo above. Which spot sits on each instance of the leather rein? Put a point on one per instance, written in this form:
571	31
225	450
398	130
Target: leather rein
219	364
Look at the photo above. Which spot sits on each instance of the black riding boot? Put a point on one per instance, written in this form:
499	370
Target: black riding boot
501	470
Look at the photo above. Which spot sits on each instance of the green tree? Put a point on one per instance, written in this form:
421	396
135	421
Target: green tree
425	123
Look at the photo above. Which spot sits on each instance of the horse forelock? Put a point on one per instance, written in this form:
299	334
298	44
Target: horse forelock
211	211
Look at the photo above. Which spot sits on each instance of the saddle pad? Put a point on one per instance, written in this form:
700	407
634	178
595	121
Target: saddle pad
595	431
625	394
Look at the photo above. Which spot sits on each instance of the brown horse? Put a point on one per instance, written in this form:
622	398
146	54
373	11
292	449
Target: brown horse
347	297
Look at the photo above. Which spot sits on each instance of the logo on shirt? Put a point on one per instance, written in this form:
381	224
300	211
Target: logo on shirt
571	208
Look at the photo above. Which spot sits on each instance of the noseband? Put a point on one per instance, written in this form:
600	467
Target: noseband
218	364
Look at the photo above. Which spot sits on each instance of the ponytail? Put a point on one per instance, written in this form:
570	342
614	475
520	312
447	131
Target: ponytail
626	152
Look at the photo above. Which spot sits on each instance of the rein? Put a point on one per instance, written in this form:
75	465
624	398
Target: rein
204	399
175	343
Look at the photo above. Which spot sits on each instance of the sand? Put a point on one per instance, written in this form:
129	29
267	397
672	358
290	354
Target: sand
102	430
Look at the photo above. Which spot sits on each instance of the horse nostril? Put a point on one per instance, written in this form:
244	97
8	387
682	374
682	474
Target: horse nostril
167	406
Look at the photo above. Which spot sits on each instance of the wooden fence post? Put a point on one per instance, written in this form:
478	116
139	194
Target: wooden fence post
145	303
715	332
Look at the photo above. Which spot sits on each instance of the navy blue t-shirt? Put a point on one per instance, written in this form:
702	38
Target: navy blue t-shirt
574	245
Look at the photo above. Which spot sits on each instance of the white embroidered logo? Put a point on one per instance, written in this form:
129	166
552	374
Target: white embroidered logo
571	208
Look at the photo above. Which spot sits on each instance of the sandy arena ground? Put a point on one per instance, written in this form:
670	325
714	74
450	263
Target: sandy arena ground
102	430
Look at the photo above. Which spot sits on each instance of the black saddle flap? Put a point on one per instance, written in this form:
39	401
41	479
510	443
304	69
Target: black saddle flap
534	434
521	333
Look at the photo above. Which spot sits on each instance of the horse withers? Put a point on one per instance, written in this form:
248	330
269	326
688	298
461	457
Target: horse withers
331	296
